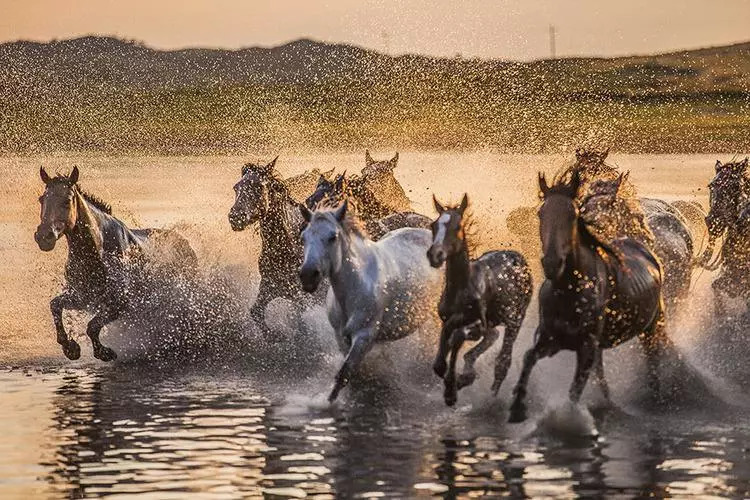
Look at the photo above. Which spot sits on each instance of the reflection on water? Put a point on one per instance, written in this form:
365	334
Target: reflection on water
83	432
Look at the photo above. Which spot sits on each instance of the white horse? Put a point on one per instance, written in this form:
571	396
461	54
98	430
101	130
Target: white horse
380	291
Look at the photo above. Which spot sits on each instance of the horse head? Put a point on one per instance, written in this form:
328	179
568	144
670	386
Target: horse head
59	210
327	192
447	231
323	244
727	190
558	218
376	168
251	201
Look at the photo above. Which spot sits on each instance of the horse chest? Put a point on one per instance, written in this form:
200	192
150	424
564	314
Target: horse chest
574	311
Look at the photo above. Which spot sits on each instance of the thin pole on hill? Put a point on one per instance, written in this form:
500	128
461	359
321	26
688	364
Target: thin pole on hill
552	42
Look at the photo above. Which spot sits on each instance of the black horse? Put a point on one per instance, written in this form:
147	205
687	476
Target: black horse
262	196
100	249
595	295
479	296
729	216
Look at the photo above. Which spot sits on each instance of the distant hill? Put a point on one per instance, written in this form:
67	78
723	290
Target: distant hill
107	94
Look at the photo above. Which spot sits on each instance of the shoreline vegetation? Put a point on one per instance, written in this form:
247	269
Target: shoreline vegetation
113	96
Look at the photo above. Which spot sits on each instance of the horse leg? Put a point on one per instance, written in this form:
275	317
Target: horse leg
95	326
66	300
469	374
718	288
600	378
440	365
258	310
654	340
585	358
539	350
361	343
504	357
455	343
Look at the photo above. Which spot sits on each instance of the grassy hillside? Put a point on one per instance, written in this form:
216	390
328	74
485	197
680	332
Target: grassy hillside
105	94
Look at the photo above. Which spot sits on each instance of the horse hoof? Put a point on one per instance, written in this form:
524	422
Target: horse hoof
440	367
517	415
450	401
72	350
105	354
465	379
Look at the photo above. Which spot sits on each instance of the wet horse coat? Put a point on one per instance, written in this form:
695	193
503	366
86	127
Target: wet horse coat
100	247
479	296
379	291
595	295
729	216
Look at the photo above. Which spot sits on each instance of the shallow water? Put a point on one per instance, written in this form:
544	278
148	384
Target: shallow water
87	432
256	423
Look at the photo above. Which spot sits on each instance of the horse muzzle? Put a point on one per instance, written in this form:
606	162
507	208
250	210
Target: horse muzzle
238	221
46	238
310	279
436	256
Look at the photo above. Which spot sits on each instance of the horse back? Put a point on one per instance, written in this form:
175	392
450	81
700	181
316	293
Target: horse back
636	301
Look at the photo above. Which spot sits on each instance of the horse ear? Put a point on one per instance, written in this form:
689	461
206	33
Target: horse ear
43	174
245	169
621	180
464	204
605	154
718	165
543	187
393	162
368	159
575	183
306	213
340	213
328	173
270	166
74	174
579	153
340	183
438	207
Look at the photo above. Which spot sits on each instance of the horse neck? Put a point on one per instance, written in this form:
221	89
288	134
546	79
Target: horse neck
582	251
356	253
86	238
275	227
458	269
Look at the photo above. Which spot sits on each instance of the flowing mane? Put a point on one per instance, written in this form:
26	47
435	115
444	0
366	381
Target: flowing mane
351	223
470	229
90	198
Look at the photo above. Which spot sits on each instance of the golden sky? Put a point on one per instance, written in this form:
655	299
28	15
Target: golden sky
486	28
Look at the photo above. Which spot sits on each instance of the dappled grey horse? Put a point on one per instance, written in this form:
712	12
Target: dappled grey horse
479	296
100	246
379	291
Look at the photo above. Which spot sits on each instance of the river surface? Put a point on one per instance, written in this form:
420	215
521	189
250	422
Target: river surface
238	416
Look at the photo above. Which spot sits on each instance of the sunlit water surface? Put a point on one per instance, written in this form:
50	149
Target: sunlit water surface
256	423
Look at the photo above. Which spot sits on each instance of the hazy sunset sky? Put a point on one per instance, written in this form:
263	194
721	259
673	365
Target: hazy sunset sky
485	28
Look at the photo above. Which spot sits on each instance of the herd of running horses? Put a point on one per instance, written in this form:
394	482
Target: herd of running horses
613	264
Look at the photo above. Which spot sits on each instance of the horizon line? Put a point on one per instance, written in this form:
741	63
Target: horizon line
145	44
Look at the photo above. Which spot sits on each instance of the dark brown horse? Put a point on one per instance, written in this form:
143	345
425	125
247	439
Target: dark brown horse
376	214
595	296
100	248
262	197
479	296
729	216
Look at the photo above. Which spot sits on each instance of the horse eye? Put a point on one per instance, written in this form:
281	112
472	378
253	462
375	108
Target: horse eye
332	238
